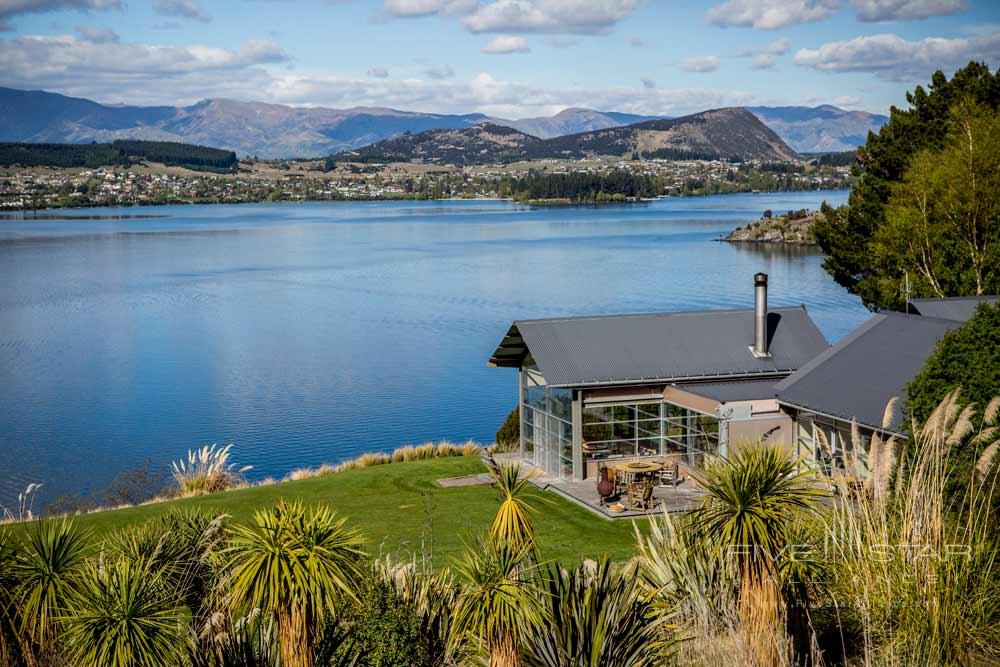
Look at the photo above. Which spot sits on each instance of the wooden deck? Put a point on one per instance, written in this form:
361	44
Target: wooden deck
686	495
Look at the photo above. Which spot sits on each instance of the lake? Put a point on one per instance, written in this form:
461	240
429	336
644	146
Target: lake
309	333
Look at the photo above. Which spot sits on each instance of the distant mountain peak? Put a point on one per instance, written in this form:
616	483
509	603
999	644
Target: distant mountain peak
718	133
275	130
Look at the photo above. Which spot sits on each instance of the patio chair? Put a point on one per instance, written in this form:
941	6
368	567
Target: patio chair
640	495
623	480
669	474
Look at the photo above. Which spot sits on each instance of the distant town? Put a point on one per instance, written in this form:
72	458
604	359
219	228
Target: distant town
150	183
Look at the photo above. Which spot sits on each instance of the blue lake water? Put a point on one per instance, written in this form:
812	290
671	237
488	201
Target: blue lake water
308	333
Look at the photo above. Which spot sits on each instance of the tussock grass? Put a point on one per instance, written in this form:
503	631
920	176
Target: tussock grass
919	572
207	470
403	454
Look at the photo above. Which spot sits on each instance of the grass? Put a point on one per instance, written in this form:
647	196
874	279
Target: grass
401	510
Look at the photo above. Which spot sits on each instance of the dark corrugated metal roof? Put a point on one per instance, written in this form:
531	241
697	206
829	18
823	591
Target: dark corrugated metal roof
958	308
743	390
857	377
613	349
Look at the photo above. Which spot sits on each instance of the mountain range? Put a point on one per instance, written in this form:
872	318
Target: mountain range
279	131
718	133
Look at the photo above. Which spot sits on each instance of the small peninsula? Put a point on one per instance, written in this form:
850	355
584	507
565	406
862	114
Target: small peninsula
791	228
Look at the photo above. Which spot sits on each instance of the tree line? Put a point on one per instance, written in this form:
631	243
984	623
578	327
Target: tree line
585	186
117	153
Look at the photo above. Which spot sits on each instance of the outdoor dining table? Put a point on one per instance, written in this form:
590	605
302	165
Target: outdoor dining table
634	467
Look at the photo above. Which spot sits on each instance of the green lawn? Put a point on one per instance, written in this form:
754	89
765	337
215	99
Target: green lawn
402	510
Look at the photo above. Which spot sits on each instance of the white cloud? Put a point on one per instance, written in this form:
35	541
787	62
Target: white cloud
378	73
183	74
97	34
419	8
12	8
439	72
778	47
770	14
188	9
762	61
582	17
149	74
507	44
893	58
700	64
906	10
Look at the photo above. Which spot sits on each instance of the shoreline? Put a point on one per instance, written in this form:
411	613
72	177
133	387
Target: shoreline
27	213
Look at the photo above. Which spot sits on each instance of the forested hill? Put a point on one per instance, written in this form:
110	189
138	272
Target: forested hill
721	133
122	152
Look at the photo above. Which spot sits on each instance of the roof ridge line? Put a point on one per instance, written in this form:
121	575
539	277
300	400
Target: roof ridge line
663	313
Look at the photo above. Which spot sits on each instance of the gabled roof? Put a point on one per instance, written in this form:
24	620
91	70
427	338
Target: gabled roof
856	378
958	308
617	349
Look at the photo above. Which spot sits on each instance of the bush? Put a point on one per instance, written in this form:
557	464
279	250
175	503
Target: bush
509	435
385	631
966	358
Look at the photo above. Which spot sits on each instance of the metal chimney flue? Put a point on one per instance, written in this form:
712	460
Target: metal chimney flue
760	315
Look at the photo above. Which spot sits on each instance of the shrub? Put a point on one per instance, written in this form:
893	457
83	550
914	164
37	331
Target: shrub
509	435
969	358
385	630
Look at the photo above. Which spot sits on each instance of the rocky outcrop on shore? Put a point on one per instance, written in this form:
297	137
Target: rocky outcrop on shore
793	228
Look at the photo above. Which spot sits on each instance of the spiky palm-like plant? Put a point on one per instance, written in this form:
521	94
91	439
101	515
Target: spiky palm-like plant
595	616
497	606
10	647
750	499
123	614
751	503
512	523
44	569
180	544
292	564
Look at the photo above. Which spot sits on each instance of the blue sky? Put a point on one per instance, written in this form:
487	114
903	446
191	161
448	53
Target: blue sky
511	58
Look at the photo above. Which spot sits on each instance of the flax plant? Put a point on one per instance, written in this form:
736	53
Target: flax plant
595	616
45	570
123	613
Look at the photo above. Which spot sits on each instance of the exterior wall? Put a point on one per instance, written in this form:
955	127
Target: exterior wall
776	430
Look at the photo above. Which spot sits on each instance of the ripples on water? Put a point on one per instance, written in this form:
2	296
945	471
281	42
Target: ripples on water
308	333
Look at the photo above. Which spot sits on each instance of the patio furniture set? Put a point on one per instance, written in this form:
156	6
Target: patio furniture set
634	481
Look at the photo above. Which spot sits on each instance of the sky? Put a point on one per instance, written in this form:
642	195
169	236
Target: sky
506	58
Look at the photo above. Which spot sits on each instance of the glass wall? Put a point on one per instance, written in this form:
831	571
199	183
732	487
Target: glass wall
548	425
647	429
829	444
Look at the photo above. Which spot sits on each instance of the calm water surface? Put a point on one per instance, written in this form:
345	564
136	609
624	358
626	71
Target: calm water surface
308	333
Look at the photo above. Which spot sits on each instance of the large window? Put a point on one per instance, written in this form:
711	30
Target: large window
548	425
647	429
830	444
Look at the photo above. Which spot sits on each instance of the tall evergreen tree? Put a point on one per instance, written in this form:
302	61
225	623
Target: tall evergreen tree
847	239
